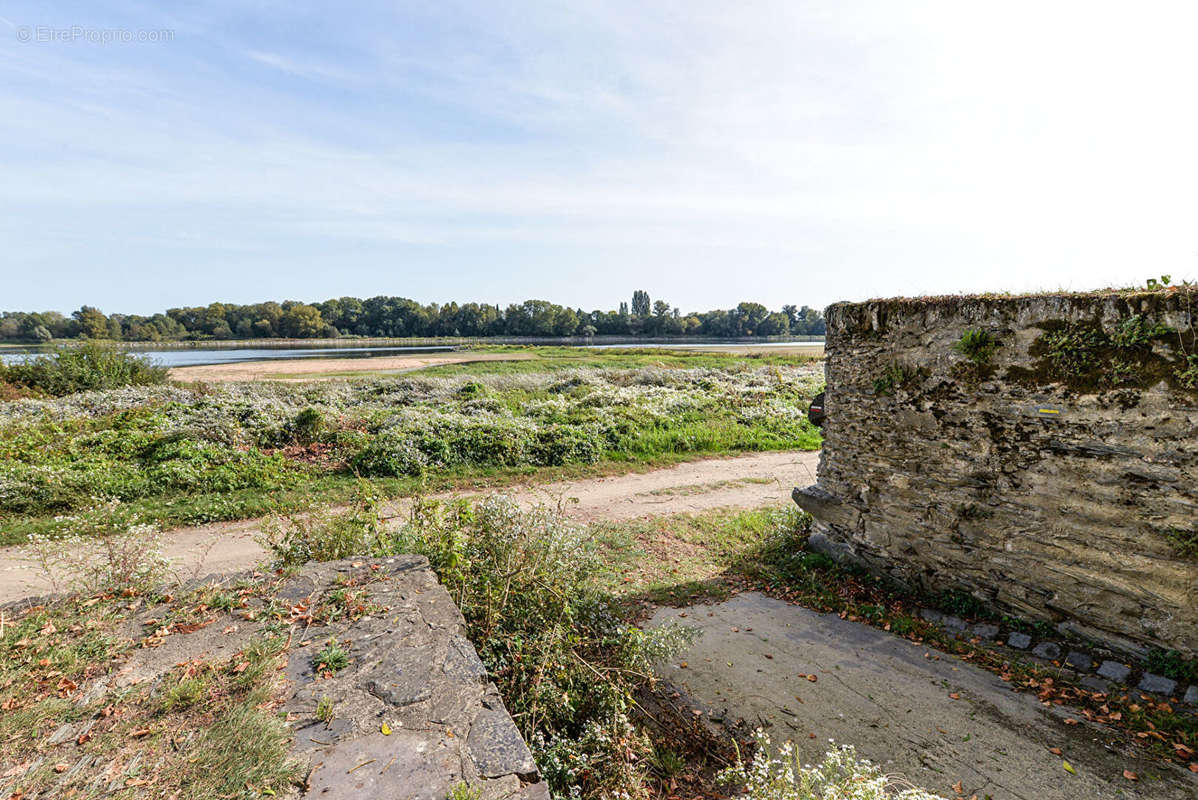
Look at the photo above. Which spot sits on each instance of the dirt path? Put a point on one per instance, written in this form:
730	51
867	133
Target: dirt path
741	482
301	369
936	720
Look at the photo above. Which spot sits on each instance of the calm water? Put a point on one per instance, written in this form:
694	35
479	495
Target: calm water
194	357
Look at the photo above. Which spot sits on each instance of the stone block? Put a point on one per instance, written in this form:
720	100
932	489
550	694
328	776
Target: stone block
985	630
1079	661
1114	671
1020	641
1049	650
1157	684
1192	695
496	747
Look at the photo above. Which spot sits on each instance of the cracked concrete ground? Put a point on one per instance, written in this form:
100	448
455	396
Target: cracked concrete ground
894	700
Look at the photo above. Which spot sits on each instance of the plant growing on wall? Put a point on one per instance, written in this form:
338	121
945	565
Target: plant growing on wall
977	345
1187	374
1085	357
895	376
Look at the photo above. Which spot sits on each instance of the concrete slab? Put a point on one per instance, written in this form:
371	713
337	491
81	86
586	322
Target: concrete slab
894	701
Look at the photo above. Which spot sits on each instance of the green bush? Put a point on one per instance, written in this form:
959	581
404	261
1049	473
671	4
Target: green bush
840	775
528	583
307	425
188	454
977	345
86	367
327	535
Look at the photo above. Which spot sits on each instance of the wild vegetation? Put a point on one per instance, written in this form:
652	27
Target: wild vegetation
88	367
532	588
210	728
173	454
401	317
840	775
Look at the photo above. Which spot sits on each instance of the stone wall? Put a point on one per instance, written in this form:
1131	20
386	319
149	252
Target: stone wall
1054	475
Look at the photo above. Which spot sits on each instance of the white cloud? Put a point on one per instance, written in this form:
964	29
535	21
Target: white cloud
846	150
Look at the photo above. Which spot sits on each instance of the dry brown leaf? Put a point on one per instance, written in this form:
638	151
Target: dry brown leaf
1131	776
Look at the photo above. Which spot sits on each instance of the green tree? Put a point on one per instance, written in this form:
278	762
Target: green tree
301	321
92	322
640	303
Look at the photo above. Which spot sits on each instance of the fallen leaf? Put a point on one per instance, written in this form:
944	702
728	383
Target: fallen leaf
1070	721
1056	751
812	678
140	732
955	696
1131	776
1068	767
959	788
386	729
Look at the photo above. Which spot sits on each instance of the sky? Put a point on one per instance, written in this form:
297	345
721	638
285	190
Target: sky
159	154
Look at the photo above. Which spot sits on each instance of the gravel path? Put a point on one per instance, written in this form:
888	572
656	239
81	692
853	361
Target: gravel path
742	482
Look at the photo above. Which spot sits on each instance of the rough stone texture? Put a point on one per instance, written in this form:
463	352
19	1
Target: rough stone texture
411	669
958	480
1079	660
1020	641
1192	695
1157	684
1049	650
942	723
1115	671
984	630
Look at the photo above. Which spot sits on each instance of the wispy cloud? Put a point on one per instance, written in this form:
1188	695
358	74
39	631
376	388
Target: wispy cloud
702	150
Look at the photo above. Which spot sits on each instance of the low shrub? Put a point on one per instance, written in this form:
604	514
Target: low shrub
327	534
841	775
528	583
86	367
96	558
184	455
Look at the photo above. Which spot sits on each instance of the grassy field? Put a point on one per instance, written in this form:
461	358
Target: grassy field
505	360
174	454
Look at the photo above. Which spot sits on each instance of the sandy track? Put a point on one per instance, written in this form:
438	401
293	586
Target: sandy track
300	369
748	481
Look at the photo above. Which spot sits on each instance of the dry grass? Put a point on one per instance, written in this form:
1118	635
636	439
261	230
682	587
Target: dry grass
75	723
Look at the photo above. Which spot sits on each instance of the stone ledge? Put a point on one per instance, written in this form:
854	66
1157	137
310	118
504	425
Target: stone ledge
413	713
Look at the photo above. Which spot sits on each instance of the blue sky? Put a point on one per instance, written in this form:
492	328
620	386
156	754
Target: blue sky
708	152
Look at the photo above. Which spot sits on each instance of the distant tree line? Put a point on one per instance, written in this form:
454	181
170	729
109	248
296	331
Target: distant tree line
401	317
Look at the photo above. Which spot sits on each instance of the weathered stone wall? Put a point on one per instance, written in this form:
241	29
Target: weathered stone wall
1058	479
